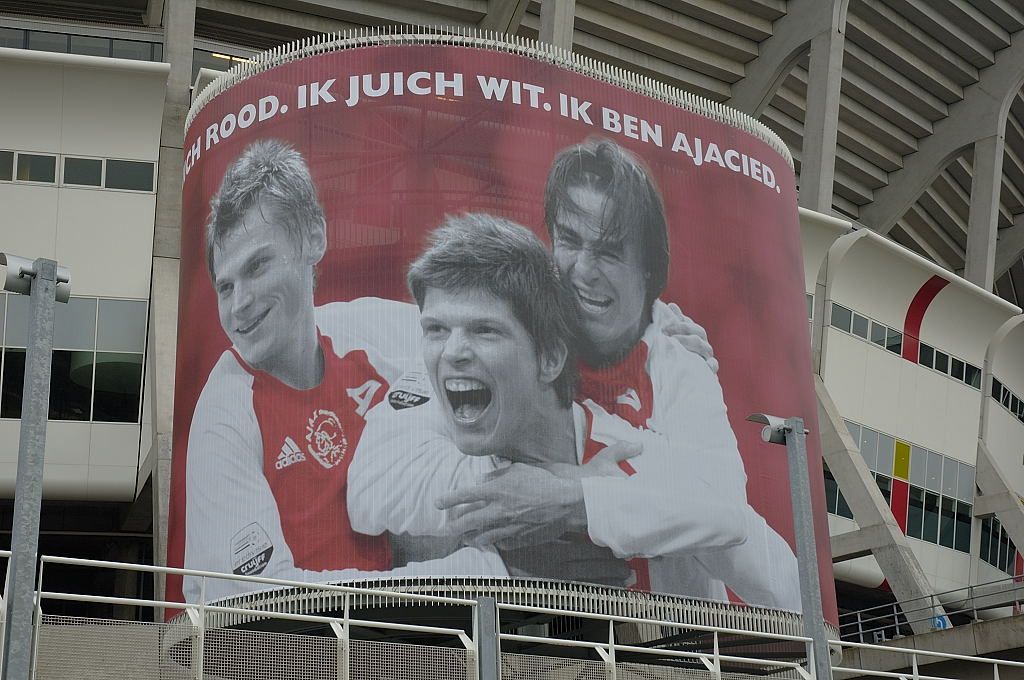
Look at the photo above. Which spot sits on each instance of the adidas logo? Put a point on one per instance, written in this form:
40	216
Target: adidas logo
290	454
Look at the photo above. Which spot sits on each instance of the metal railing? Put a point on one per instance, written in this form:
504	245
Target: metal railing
894	619
190	648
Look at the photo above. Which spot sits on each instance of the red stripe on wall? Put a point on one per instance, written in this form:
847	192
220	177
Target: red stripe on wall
900	502
915	315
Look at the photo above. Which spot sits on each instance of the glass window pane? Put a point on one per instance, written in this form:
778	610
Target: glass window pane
118	387
133	175
841	317
986	536
869	447
1004	550
860	326
843	508
70	385
997	388
83	171
993	550
930	531
17	321
965	482
962	541
831	492
894	341
947	522
918	465
1006	398
12	37
13	383
854	429
132	49
901	463
933	481
972	376
957	368
926	355
949	472
6	165
941	361
91	45
36	168
158	52
122	325
885	486
878	332
915	512
74	324
47	42
810	305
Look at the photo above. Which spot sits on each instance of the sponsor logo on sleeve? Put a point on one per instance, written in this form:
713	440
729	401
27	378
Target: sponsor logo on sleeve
629	398
251	550
412	389
325	438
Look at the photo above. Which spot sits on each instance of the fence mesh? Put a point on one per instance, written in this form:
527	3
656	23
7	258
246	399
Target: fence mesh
393	661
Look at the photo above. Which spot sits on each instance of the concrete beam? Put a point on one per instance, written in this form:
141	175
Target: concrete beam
997	495
983	219
504	16
1009	246
860	542
154	15
790	40
890	548
320	18
821	117
557	19
981	113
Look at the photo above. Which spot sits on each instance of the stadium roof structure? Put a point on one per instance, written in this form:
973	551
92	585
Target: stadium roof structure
922	97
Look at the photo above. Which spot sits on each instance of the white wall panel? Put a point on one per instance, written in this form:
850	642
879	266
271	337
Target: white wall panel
63	482
114	444
962	320
843	372
111	482
817	234
106	239
10	434
67	443
29	219
1005	441
92	98
30	118
882	408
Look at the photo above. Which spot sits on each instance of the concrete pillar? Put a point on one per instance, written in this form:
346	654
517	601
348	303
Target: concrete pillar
179	38
986	183
879	532
821	121
556	22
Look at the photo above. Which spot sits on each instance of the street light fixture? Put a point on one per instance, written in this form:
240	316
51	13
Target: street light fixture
46	283
791	432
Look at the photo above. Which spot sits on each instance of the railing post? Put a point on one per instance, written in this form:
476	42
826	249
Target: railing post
37	620
610	661
718	660
199	649
345	658
860	627
485	637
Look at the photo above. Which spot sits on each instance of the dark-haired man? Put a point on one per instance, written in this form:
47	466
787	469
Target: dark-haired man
283	409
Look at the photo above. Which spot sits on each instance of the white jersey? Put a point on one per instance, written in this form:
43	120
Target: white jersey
246	454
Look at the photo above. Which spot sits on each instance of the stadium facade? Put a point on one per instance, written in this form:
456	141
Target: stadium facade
904	122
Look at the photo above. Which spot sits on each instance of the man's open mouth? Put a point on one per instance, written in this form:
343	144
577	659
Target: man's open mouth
248	328
469	398
591	302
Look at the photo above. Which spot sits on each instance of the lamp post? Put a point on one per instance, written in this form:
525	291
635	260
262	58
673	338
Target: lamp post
47	284
791	432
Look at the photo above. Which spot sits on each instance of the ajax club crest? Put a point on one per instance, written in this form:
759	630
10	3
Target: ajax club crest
326	438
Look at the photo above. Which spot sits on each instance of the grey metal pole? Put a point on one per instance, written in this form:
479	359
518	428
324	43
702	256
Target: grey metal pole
806	548
29	486
485	635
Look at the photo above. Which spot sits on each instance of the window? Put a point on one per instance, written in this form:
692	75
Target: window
894	341
70	385
36	168
926	355
13	383
972	376
878	333
962	541
118	387
810	305
957	370
841	317
131	175
930	532
947	522
915	512
12	37
869	447
132	49
986	539
47	42
933	480
860	326
885	486
997	388
843	508
885	454
87	44
86	172
6	166
831	492
941	362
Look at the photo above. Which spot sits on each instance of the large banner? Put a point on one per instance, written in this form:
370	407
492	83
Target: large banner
455	311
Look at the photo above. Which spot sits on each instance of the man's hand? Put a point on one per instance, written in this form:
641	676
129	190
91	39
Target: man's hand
691	336
517	506
568	559
606	463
